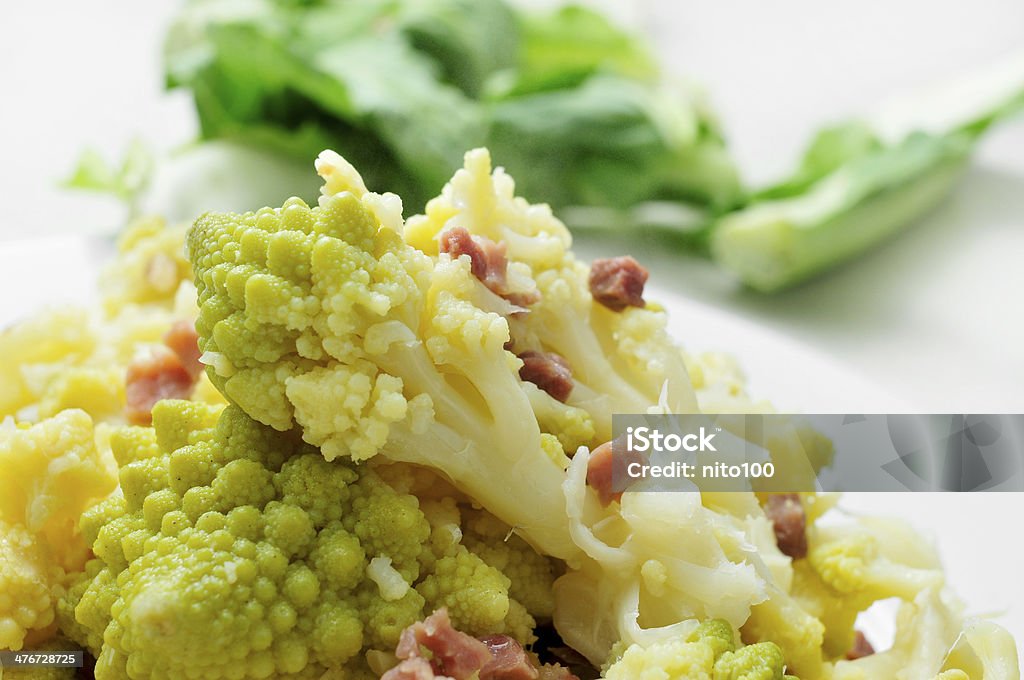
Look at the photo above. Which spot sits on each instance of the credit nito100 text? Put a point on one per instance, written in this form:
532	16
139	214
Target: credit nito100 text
717	470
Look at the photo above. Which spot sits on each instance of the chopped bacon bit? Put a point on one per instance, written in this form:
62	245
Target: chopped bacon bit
150	379
508	662
618	282
861	647
487	263
789	520
455	654
601	469
599	473
548	371
184	342
486	258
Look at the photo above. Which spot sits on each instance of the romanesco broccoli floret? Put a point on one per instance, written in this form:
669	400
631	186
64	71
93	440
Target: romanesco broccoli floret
326	319
488	538
709	652
243	553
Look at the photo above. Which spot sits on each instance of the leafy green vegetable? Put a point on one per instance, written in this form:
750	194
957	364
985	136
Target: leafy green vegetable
854	188
126	181
562	48
566	101
827	152
776	243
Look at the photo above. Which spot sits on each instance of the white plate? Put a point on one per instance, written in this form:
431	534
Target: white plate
777	367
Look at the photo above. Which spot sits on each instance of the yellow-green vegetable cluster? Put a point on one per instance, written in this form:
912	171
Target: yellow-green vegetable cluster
238	551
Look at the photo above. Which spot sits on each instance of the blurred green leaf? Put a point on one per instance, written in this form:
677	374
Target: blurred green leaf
125	181
404	87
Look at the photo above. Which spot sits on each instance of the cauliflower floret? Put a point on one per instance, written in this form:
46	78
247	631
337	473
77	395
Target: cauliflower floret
149	267
620	361
887	561
30	584
77	358
52	472
934	641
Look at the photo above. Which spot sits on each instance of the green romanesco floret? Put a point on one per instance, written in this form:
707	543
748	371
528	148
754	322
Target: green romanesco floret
326	319
476	595
709	652
489	538
238	551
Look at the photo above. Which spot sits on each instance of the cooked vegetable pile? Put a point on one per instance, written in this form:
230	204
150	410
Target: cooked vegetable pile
401	483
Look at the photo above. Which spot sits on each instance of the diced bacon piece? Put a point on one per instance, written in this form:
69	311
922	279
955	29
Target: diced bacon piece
183	340
152	378
487	258
548	371
861	647
488	263
599	473
789	521
618	282
455	654
509	660
601	469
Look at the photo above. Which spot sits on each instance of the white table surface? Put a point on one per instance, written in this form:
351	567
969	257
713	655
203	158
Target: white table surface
934	317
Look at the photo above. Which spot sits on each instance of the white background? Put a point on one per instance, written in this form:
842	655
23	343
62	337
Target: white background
934	318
